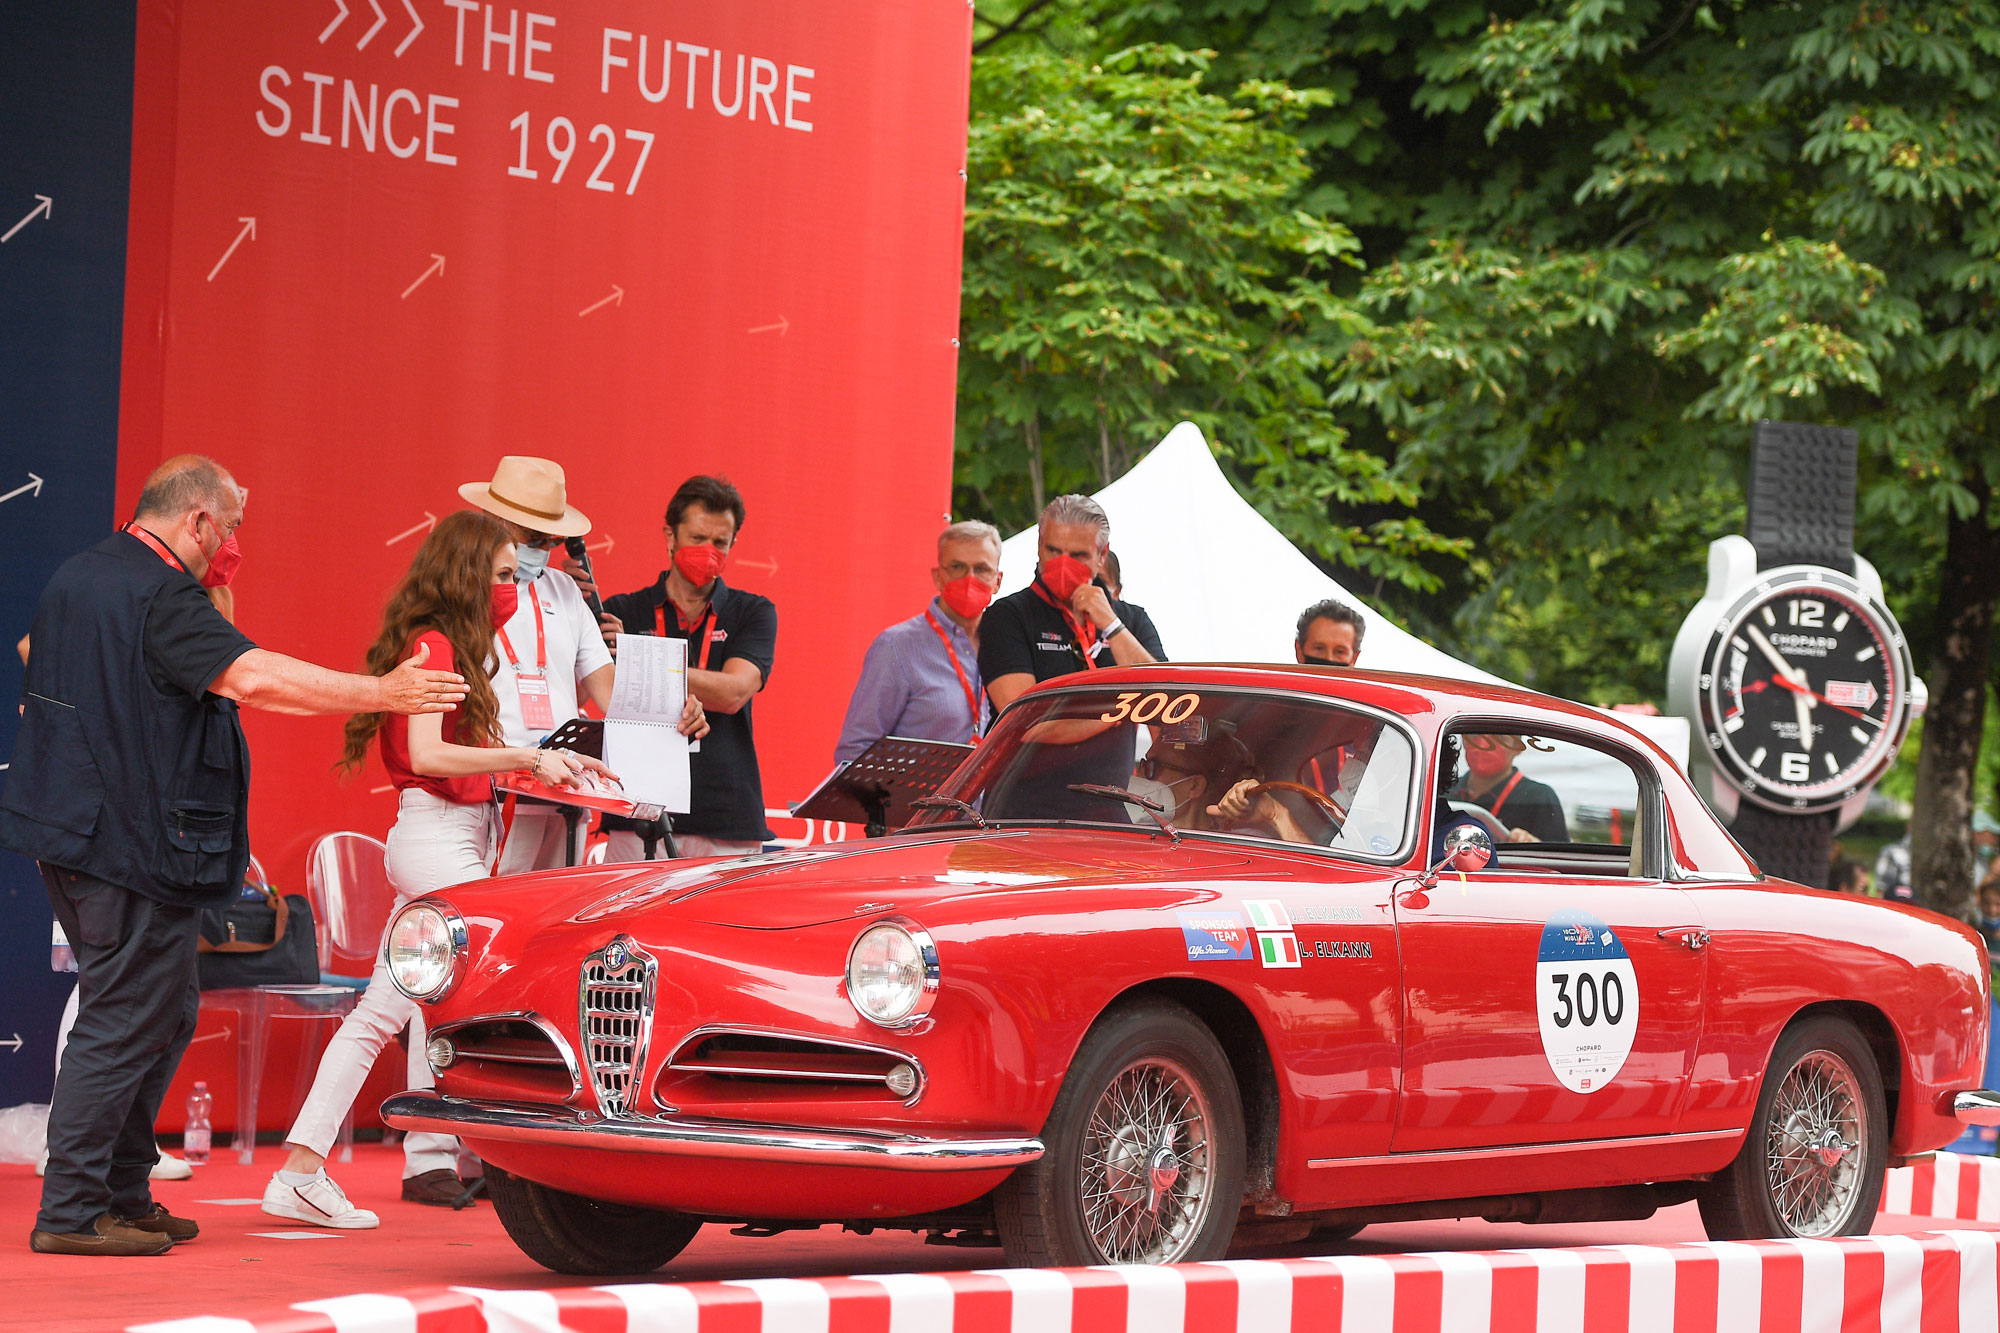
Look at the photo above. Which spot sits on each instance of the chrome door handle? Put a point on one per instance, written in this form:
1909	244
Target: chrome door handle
1692	936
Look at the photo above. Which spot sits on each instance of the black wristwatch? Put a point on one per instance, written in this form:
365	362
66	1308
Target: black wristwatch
1792	672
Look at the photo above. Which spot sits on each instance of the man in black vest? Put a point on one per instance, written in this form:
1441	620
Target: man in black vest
130	785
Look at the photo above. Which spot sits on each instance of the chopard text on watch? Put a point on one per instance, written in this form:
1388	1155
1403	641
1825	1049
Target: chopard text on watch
1804	689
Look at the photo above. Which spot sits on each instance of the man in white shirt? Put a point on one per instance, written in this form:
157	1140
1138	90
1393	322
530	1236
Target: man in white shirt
551	654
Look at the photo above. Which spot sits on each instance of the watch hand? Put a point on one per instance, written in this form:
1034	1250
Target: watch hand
1817	697
1785	669
1805	707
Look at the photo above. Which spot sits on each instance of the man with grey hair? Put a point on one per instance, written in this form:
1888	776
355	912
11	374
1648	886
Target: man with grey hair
130	787
921	678
1064	621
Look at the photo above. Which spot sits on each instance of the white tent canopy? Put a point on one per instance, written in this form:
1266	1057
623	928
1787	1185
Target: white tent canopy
1223	585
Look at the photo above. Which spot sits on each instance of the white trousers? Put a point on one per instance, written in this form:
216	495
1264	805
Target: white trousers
436	843
621	846
535	842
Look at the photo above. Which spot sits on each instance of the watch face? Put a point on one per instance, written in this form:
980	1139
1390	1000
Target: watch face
1804	690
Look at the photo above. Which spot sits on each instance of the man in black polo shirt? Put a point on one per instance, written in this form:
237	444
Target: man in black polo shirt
1063	623
130	785
732	637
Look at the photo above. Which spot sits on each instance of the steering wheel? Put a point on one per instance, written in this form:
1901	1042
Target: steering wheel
1319	798
1486	817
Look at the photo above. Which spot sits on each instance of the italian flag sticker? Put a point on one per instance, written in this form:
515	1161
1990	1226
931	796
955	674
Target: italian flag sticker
1267	914
1278	950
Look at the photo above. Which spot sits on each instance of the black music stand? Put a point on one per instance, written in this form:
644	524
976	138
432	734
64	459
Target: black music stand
876	788
585	736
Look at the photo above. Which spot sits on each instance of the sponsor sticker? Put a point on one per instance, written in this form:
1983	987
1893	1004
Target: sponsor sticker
1278	949
1587	1000
1329	915
1268	914
1214	936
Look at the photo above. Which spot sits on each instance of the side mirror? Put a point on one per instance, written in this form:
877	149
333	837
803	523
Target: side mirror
1466	847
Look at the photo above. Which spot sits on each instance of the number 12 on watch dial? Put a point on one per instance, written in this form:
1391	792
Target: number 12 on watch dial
1804	690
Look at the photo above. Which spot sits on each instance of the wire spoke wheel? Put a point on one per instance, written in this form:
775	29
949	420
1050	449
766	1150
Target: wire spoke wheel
1814	1145
1147	1164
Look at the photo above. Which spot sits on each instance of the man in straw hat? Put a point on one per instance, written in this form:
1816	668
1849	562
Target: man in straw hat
551	651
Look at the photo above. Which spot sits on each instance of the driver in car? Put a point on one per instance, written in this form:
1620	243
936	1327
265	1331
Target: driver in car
1191	760
1531	810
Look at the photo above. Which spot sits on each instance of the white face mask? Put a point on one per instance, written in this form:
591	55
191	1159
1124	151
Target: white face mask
529	562
1155	790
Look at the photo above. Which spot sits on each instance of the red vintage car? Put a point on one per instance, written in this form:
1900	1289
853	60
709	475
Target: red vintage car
1183	954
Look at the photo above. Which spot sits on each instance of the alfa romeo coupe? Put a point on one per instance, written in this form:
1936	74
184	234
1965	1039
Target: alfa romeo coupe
1183	955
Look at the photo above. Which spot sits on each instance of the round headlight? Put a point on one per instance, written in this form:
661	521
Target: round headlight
892	974
425	941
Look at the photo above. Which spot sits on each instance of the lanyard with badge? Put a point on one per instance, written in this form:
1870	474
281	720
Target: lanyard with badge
707	625
537	710
964	683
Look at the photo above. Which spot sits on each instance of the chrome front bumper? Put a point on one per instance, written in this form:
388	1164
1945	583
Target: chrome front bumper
514	1123
1980	1107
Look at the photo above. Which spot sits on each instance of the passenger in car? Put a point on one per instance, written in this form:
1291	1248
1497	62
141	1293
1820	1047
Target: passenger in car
1531	810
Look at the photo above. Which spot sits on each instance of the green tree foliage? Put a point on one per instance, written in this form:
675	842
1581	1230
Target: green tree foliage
1604	236
1136	255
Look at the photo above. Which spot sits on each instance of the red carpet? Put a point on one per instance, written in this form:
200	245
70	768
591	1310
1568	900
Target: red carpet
247	1263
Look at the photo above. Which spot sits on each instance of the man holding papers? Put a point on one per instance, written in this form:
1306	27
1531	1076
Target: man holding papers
728	640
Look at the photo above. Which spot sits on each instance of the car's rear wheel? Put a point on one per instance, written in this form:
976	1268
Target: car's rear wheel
572	1234
1812	1163
1145	1150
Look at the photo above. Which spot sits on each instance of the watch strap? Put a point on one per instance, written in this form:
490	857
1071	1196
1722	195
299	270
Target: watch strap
1797	847
1801	499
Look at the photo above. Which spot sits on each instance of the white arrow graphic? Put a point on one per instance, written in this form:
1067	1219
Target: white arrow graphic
380	19
604	545
250	230
781	326
404	45
617	297
437	266
338	19
430	521
14	1044
44	209
212	1036
34	484
768	566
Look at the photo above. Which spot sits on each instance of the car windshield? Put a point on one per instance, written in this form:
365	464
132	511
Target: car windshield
1229	763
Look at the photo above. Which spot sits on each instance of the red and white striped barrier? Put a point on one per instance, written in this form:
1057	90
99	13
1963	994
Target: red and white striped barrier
1927	1283
1964	1188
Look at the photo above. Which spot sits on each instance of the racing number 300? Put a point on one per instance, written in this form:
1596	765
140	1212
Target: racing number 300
1159	706
1593	999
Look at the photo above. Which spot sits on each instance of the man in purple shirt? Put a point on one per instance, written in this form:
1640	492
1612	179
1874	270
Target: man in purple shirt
920	678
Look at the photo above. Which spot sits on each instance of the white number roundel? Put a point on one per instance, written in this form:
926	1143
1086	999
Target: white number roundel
1587	1001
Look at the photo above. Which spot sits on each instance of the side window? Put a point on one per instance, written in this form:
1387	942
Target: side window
1553	803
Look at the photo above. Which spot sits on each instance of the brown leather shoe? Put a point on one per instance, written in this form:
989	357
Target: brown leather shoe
439	1188
106	1236
162	1223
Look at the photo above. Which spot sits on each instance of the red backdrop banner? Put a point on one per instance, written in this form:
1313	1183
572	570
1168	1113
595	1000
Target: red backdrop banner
376	244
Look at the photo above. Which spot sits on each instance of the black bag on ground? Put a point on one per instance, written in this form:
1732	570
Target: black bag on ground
261	939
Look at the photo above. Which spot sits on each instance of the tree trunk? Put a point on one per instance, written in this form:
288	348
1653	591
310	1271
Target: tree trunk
1941	827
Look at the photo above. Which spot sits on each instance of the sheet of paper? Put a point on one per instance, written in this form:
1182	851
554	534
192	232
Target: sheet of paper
641	743
650	684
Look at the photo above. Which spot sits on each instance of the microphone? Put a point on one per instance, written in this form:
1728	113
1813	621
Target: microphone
578	553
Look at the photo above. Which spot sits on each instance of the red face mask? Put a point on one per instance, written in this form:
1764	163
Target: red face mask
967	597
222	565
700	565
1063	575
506	601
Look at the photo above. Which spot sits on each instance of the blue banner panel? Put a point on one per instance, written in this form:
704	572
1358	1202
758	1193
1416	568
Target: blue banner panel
65	163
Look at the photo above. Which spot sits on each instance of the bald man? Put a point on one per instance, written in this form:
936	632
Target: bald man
130	786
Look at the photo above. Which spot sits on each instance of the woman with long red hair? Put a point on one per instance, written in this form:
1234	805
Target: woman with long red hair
459	586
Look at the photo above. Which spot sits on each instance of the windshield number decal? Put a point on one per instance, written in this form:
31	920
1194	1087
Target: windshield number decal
1158	706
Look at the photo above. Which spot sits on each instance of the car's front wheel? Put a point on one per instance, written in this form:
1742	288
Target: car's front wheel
572	1234
1812	1163
1145	1150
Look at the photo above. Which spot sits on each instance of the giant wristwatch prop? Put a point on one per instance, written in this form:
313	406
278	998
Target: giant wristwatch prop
1793	674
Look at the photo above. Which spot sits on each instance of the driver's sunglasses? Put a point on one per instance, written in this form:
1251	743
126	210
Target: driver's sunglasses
541	541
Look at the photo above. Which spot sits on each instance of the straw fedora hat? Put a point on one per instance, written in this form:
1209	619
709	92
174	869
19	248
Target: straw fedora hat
528	491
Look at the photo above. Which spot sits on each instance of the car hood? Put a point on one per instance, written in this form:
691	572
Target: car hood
791	890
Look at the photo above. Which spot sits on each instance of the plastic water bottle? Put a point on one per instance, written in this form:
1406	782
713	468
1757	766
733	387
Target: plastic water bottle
195	1135
62	958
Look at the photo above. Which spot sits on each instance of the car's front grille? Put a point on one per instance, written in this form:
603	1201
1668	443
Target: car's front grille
615	1017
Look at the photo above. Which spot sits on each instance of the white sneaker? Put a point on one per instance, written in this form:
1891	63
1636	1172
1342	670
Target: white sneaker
170	1167
319	1202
